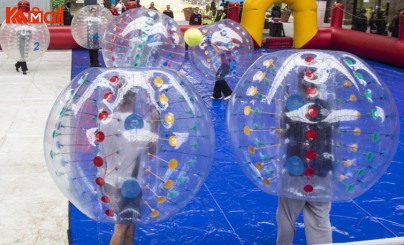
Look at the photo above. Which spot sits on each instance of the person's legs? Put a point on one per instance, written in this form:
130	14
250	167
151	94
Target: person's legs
317	222
119	235
286	216
90	54
217	93
17	66
224	87
24	67
95	58
130	235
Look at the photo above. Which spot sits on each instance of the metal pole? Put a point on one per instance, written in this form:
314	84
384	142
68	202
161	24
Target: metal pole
378	6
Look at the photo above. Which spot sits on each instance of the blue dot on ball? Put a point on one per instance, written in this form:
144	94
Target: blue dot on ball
133	121
294	102
151	39
295	166
130	188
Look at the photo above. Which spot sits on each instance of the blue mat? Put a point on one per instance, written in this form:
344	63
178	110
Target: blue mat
229	209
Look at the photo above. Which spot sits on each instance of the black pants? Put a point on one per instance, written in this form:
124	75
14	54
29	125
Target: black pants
94	58
221	86
21	64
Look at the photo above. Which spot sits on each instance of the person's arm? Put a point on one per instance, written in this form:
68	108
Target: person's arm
155	118
191	19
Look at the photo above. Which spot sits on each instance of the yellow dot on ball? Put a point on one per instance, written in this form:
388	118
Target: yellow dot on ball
193	37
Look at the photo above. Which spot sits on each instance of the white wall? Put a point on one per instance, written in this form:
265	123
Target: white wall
43	5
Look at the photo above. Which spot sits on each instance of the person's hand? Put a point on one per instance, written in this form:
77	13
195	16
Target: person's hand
152	147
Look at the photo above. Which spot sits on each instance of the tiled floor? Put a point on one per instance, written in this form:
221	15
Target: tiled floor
32	209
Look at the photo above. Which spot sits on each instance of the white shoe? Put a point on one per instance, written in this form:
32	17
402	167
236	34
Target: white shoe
213	98
227	97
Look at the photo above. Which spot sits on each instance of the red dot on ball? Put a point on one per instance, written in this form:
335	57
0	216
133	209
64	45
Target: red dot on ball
99	137
100	181
311	154
105	199
308	188
310	75
312	111
311	90
111	48
103	115
309	59
114	79
311	134
309	172
108	96
169	64
98	161
113	58
109	212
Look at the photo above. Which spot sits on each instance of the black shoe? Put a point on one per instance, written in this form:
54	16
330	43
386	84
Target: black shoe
16	68
24	72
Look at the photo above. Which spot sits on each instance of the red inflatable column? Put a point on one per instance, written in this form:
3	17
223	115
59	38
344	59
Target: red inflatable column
233	11
131	5
337	15
401	30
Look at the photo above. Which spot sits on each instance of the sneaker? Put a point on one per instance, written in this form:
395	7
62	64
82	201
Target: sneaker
214	98
227	97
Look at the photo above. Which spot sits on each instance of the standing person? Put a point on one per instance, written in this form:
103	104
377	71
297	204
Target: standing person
276	12
169	12
240	14
92	35
113	10
372	23
381	24
24	35
119	7
220	15
128	164
360	21
306	134
196	17
152	6
221	85
225	6
213	7
67	16
394	25
377	24
207	16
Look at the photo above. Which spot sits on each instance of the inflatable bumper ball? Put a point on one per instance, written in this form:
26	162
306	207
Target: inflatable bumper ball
143	38
226	48
129	146
313	125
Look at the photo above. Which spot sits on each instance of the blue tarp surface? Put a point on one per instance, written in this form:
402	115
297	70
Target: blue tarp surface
230	209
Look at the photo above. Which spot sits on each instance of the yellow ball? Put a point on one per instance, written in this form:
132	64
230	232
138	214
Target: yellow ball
193	37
